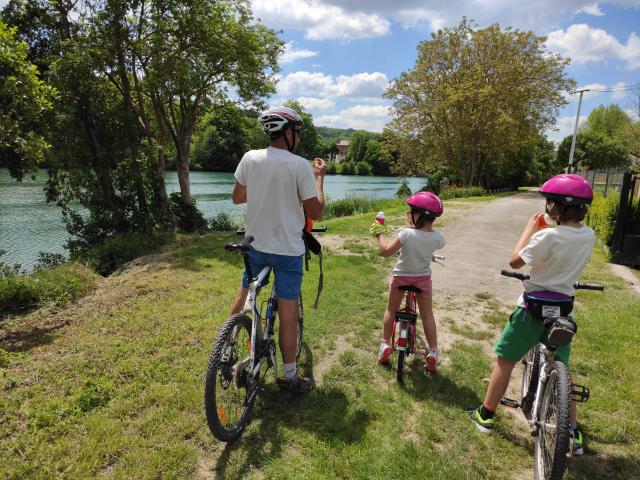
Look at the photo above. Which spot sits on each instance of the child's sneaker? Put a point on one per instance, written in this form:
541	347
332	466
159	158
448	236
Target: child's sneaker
430	362
385	355
485	426
577	447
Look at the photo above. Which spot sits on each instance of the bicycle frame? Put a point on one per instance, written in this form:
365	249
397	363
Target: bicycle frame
546	357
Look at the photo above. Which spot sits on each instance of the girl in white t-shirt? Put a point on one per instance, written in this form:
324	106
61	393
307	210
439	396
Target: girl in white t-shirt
416	245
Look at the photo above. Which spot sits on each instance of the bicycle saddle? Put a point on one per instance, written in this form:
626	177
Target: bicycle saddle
410	288
243	246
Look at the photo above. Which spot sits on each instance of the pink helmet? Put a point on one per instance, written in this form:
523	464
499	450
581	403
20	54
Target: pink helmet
426	203
568	189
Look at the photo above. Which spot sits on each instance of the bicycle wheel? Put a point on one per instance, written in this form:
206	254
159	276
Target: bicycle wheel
530	376
552	442
228	398
400	367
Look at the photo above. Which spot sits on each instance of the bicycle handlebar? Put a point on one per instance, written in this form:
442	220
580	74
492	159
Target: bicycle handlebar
323	228
578	285
437	257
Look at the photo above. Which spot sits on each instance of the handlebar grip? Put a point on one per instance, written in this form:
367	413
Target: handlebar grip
323	228
438	257
588	286
241	231
519	276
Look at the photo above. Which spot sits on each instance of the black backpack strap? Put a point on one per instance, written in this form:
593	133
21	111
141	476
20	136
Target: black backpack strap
312	245
320	280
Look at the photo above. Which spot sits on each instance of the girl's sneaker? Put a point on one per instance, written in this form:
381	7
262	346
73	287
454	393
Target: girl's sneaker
385	355
431	362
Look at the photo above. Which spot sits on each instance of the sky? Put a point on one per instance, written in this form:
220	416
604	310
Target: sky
341	55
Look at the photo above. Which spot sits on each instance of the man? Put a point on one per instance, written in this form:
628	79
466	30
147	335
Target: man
275	183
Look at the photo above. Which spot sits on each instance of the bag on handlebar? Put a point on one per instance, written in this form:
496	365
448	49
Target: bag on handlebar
312	245
544	304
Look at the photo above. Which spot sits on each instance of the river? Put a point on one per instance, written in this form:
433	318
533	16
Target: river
28	225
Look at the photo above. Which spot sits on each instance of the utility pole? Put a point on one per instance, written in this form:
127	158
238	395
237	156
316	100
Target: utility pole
575	131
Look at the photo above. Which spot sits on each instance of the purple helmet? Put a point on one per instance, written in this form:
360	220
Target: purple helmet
567	189
426	203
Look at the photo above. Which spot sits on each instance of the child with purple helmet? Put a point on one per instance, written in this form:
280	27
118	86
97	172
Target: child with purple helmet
557	257
416	245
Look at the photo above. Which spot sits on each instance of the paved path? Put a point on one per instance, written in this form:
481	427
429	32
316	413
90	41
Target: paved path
479	245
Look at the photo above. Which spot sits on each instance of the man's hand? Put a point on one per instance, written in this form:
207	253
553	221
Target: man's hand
377	229
319	167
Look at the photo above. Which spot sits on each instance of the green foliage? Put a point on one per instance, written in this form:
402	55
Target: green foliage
24	99
606	120
332	168
602	215
461	192
114	252
49	260
403	190
310	144
58	285
94	393
223	222
352	205
189	218
347	168
363	168
462	90
593	150
357	146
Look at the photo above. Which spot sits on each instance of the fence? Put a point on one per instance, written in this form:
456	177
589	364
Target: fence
603	180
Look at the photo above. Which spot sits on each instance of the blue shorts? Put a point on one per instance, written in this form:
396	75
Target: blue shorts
287	271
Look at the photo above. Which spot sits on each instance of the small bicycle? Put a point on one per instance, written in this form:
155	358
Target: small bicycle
242	354
403	335
547	391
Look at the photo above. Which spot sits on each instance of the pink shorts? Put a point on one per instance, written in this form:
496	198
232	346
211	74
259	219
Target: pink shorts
423	282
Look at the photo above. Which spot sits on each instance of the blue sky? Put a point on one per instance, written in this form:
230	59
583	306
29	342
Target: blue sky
341	55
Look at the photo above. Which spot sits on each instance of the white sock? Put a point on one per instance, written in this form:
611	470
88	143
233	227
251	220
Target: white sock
383	345
433	352
290	370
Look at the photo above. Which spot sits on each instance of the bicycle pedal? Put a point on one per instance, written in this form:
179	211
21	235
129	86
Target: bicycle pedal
580	393
508	402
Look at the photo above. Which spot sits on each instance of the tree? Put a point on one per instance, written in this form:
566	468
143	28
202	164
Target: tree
24	99
357	146
606	120
475	95
378	157
310	145
593	150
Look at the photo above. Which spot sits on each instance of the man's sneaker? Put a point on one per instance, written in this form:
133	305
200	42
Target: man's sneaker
298	385
385	356
485	426
430	362
577	447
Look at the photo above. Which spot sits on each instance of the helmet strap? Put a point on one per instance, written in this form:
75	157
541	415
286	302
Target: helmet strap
290	147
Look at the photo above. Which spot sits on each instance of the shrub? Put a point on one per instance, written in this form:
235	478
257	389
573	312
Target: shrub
332	168
188	217
347	168
49	260
363	168
602	215
352	205
120	249
403	190
461	192
223	222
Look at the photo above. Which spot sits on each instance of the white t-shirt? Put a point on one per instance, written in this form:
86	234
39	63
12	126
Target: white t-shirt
277	182
557	257
415	255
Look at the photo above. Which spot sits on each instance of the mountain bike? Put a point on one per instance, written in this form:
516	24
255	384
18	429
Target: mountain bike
547	391
404	332
242	354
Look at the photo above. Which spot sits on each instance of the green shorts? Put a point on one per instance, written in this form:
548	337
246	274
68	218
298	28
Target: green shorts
521	333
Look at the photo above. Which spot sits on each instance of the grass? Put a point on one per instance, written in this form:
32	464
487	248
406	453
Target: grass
117	393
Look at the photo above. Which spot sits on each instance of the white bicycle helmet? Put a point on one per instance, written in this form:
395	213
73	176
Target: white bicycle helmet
275	120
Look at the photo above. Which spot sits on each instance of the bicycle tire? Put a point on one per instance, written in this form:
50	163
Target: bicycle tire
530	376
400	367
224	384
552	442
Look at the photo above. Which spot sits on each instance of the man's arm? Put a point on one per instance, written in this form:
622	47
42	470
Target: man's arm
239	194
314	206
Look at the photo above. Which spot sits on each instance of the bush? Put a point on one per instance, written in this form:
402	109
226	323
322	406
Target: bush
120	249
403	190
461	192
223	223
49	260
352	205
602	215
188	217
362	168
332	168
58	285
347	168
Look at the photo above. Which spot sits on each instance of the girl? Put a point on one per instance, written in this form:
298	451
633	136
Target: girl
416	245
557	257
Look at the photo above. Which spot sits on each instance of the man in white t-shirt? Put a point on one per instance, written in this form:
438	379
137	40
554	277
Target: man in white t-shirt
275	183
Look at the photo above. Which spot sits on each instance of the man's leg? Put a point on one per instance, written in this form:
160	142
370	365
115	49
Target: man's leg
288	313
239	301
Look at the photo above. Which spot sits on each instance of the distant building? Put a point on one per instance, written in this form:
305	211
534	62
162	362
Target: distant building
342	148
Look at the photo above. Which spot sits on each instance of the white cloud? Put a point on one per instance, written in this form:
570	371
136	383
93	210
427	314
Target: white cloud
620	95
316	104
292	54
359	85
320	20
583	44
591	10
365	117
564	126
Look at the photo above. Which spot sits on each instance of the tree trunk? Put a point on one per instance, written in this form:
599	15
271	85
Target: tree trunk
182	167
